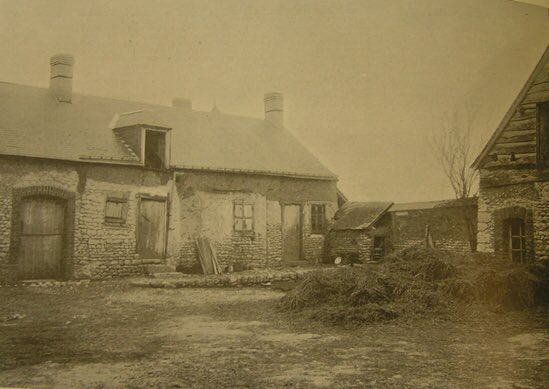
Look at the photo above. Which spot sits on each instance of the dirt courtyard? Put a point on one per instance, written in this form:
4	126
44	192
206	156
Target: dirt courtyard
109	335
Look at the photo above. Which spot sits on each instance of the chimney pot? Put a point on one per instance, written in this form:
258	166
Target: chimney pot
274	108
182	102
61	68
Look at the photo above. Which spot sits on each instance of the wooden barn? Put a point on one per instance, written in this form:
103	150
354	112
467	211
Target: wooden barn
513	206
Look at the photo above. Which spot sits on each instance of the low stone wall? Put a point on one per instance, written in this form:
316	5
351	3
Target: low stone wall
447	226
227	280
350	245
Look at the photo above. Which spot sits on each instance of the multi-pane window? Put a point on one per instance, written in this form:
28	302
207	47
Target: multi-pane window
318	218
116	208
243	217
516	239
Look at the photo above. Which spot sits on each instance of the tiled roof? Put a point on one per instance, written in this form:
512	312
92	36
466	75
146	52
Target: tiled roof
359	215
34	124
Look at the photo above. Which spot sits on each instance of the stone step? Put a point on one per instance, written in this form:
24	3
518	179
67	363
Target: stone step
150	269
152	261
168	275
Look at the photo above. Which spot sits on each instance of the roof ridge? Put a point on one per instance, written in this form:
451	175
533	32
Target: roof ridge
155	105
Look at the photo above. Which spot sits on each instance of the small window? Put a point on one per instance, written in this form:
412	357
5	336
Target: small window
517	240
543	134
116	208
243	217
155	149
318	218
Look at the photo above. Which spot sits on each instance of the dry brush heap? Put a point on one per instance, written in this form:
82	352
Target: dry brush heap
416	281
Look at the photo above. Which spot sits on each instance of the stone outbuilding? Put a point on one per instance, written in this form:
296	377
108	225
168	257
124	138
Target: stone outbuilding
513	207
364	231
93	187
359	232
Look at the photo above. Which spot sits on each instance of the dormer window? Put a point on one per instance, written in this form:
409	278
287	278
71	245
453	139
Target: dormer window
155	149
543	134
145	136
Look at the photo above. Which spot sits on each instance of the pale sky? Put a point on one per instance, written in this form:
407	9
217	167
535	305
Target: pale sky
365	82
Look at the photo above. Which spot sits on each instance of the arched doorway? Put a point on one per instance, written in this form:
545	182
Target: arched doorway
42	232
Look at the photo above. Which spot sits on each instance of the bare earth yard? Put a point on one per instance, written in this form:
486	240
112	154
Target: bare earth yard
109	335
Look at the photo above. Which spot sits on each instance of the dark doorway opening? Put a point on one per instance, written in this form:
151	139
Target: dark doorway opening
155	149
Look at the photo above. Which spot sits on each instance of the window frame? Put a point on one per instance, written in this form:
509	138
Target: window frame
236	217
521	250
117	198
318	219
165	138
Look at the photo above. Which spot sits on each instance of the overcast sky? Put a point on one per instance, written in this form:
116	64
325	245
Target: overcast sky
365	82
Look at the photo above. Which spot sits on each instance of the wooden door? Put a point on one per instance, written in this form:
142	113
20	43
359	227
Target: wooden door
152	228
291	232
41	238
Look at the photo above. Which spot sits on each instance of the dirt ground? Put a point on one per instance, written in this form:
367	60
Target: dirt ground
109	335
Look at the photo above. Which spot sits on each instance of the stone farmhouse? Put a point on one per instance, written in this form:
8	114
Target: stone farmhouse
92	187
513	207
364	231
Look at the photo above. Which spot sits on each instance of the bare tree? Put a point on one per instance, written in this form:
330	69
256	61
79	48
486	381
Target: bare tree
453	147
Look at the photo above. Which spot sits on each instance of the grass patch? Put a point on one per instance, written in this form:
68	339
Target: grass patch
416	281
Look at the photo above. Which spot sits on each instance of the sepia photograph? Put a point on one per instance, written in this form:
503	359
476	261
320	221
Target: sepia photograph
274	194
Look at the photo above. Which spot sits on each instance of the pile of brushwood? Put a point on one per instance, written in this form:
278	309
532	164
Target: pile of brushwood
417	281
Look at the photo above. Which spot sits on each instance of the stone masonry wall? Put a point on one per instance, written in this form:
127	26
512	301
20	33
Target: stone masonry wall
206	209
98	249
446	225
313	244
106	249
274	232
528	200
20	174
351	245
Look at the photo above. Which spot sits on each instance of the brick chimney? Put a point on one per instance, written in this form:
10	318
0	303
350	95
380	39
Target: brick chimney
274	108
61	77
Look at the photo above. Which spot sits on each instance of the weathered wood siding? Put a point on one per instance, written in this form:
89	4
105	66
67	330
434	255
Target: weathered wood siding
519	135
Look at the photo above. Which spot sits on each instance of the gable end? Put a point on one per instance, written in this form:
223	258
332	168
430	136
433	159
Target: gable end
514	143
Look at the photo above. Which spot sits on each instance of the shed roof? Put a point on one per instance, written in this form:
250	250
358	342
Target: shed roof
34	124
359	215
433	204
